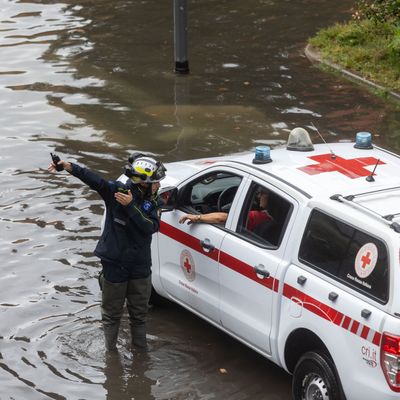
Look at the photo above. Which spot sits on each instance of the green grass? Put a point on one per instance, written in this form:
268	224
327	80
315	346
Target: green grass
365	48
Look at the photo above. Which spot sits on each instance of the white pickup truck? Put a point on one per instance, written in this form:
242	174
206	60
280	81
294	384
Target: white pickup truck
315	287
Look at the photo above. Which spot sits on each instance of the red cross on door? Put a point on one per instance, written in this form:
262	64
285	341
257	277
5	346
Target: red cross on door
352	168
187	265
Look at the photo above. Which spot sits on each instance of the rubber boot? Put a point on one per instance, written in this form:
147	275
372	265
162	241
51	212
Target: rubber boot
139	336
111	336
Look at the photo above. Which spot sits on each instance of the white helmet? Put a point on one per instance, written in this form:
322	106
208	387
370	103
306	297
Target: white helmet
147	170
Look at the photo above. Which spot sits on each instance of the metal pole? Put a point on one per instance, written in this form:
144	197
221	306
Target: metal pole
180	37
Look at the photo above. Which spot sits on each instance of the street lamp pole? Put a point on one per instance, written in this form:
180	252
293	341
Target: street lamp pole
180	37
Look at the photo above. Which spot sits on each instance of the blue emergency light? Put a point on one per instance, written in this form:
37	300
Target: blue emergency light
262	155
363	141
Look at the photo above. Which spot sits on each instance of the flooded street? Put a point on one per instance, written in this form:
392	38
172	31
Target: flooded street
93	81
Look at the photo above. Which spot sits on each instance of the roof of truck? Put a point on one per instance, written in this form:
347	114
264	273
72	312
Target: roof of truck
370	175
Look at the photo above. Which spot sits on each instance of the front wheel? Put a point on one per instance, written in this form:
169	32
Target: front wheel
315	378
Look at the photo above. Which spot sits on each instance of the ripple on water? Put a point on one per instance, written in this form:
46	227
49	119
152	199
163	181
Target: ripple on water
70	357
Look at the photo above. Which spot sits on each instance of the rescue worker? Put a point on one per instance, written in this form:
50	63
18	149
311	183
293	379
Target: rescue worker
132	216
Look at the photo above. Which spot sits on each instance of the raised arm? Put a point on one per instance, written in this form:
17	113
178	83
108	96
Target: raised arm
90	178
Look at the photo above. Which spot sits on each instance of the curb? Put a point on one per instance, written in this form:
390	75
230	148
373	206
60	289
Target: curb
314	56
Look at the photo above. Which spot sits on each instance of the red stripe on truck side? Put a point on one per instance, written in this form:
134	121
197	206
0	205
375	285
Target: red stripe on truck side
187	240
346	322
354	327
309	303
377	339
244	269
364	332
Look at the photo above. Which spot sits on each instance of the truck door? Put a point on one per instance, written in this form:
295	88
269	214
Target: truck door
249	261
189	253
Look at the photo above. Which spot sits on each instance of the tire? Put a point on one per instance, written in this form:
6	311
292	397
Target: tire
315	378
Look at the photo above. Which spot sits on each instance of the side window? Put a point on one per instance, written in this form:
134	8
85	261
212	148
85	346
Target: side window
264	216
346	254
210	193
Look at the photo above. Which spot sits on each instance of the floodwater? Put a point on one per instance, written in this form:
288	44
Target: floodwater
93	80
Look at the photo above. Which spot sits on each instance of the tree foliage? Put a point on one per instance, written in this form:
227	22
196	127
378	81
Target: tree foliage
379	11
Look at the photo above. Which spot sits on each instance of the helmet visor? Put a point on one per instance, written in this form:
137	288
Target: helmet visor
159	173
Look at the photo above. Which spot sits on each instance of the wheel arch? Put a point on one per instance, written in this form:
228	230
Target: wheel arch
299	342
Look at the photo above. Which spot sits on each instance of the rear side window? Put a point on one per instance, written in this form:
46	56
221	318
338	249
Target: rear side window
347	254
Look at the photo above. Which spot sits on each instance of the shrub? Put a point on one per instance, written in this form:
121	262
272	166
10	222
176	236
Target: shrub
378	10
394	45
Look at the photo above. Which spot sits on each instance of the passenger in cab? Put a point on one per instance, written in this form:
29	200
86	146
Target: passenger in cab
260	214
255	216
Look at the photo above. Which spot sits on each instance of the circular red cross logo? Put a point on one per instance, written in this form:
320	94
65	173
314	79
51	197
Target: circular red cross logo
187	265
366	260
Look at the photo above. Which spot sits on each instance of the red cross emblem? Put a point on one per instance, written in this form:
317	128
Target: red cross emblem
366	260
352	168
187	265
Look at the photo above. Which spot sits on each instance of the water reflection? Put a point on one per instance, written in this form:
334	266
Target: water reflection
126	378
94	82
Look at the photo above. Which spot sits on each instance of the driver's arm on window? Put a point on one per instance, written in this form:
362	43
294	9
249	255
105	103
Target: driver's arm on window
210	218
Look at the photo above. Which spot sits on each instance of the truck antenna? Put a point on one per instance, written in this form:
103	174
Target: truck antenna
370	178
333	155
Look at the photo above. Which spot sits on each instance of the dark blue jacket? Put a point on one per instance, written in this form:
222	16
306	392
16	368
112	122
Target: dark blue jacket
126	237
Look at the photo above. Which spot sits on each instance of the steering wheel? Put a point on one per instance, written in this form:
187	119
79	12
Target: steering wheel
225	198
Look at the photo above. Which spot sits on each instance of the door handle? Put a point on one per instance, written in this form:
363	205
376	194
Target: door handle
260	270
333	296
301	280
207	245
366	313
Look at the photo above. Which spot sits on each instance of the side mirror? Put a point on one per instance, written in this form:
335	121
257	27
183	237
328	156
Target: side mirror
168	197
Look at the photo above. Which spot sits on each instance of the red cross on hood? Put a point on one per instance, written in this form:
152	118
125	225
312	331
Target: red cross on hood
352	168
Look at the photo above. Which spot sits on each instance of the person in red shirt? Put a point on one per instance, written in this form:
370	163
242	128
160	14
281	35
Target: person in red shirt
256	217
